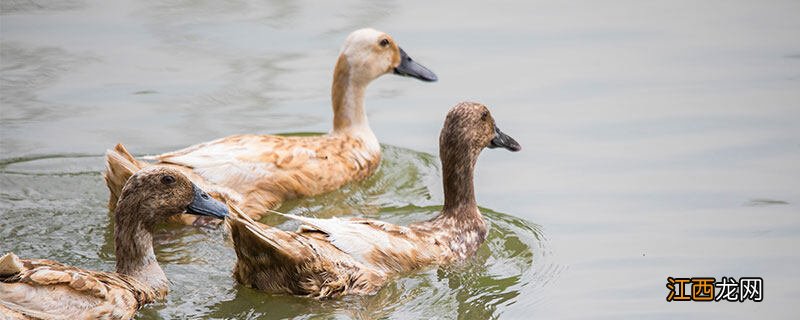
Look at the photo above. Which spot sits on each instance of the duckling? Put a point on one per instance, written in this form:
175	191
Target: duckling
258	172
39	288
327	258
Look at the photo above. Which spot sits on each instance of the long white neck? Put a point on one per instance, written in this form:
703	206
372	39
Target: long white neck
349	116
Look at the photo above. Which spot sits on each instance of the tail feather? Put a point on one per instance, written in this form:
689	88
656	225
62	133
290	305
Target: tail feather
10	265
120	166
274	260
254	241
271	259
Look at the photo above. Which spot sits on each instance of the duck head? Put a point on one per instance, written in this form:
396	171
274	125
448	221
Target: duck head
157	193
470	127
370	54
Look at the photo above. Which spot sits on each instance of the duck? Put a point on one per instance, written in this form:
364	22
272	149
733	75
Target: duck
259	172
46	289
333	257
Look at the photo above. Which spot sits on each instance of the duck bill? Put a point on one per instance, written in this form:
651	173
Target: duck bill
502	140
410	68
205	205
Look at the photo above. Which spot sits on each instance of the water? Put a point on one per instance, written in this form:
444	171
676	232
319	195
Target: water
659	139
49	200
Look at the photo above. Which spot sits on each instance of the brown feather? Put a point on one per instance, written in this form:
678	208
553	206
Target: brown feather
259	172
82	294
39	288
273	260
120	165
328	258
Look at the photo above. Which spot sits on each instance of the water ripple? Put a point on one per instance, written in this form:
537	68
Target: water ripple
56	203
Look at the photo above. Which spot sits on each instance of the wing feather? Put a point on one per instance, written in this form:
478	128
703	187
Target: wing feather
45	288
241	159
359	238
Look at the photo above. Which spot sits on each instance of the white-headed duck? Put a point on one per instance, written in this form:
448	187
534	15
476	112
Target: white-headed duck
39	288
258	172
331	257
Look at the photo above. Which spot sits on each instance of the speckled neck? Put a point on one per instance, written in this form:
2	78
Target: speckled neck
133	239
458	167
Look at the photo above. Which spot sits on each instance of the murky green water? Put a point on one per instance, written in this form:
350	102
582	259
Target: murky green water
660	139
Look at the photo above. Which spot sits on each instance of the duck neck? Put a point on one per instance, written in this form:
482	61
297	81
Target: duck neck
459	190
134	247
347	95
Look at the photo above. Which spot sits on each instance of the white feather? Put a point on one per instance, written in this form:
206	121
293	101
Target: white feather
355	238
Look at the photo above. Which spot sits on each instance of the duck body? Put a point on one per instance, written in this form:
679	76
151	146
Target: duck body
82	294
46	289
258	172
261	171
334	257
327	258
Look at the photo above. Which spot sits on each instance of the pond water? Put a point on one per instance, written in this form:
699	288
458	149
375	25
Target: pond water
659	139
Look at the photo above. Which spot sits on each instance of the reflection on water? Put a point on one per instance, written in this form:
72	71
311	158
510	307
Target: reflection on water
47	201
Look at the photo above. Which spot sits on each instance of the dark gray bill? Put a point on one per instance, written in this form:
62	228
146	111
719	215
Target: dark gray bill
205	205
502	140
410	68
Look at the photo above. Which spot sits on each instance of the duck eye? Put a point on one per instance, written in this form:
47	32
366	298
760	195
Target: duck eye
384	42
484	115
168	180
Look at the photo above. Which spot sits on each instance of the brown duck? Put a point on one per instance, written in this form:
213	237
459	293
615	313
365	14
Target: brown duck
45	289
258	172
331	257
